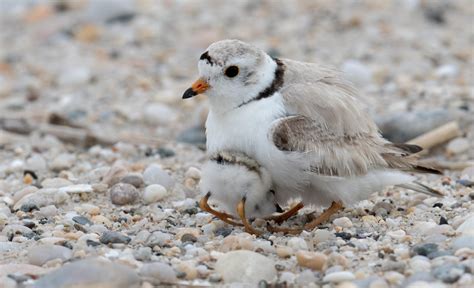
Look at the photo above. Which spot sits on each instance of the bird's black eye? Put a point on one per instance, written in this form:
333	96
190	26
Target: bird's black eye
231	71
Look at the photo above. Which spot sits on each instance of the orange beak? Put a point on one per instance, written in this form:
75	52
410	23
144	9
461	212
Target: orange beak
198	87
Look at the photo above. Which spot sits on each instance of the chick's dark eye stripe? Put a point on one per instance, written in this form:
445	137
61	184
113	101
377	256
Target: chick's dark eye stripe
273	87
205	56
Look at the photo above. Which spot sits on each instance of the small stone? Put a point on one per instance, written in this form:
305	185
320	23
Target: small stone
297	243
382	208
194	135
43	197
283	251
28	207
153	174
394	278
38	255
74	76
343	222
36	163
245	267
447	71
193	173
223	231
79	188
113	237
420	263
457	146
188	238
159	238
82	220
188	269
115	174
424	249
90	273
467	227
465	241
48	211
449	273
340	276
306	278
158	273
313	260
322	235
397	234
62	162
143	254
55	183
133	179
123	194
154	193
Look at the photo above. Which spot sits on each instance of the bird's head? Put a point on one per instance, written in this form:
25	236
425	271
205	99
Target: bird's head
232	72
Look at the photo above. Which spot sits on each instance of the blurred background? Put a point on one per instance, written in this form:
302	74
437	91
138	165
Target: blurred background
115	70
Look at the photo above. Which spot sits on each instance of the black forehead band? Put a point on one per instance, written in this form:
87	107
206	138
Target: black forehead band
205	56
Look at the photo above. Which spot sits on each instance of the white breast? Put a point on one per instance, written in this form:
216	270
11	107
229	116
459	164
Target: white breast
247	129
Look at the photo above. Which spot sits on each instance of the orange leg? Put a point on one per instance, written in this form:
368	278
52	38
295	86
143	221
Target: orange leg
221	215
335	206
241	212
286	215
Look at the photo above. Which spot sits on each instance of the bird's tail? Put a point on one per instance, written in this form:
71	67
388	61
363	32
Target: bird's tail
422	188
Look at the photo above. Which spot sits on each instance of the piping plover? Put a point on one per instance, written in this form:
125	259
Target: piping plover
240	186
302	122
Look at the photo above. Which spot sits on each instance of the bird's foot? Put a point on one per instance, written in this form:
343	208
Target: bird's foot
335	206
280	218
221	215
241	212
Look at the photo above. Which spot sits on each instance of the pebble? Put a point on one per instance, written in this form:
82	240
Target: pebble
447	71
62	162
193	173
245	267
154	193
313	260
79	188
397	234
194	135
449	273
109	237
284	251
82	220
467	227
133	179
36	163
55	183
297	243
153	174
123	194
91	273
306	277
48	211
424	249
43	197
189	270
340	276
465	241
322	235
158	272
420	263
343	222
457	146
39	255
143	254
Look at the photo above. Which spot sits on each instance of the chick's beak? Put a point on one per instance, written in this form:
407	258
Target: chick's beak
198	87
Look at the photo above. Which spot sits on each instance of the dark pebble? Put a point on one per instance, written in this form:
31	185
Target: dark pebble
92	243
439	205
180	274
191	211
223	231
29	224
194	135
82	220
465	182
28	207
113	237
424	249
439	253
165	152
134	180
188	238
449	273
442	221
344	235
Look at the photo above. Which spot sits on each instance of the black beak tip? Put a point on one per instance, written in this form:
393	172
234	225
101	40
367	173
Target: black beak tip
189	93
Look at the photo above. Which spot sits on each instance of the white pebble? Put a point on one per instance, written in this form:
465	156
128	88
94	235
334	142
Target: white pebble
397	234
457	146
297	243
339	276
154	193
193	173
343	222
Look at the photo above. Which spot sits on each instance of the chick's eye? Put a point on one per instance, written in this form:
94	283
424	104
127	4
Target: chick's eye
231	71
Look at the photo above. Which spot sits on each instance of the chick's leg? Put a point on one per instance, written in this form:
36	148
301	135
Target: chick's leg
335	206
241	212
286	215
221	215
